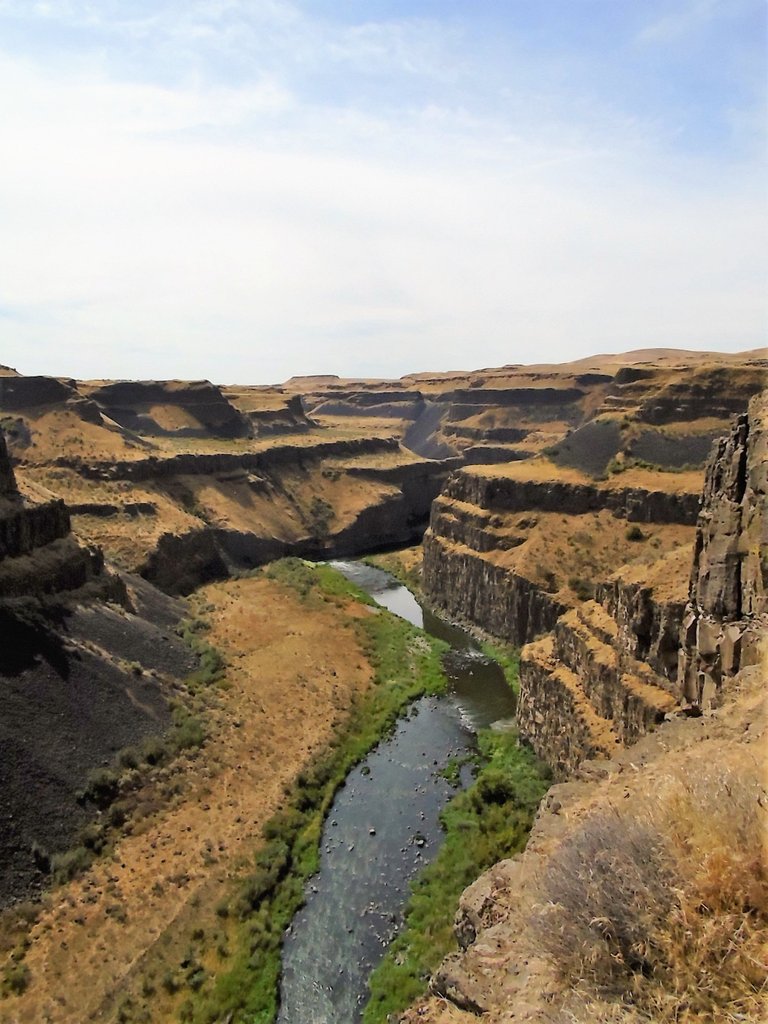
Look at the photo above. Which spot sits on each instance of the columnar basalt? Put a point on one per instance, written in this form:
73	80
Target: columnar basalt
517	494
473	569
476	591
582	692
727	610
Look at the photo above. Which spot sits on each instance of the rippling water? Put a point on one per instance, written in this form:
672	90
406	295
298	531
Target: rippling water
384	825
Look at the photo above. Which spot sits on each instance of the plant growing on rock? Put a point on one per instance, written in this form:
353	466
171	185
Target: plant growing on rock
665	909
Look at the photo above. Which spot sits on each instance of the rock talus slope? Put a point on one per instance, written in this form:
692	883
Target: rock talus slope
88	661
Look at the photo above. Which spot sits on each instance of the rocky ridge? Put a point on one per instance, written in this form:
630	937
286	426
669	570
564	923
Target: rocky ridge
726	612
88	660
605	676
37	552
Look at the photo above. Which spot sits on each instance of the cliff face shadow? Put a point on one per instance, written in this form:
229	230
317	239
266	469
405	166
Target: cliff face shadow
26	637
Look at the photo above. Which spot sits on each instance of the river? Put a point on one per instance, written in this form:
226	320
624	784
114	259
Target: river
383	826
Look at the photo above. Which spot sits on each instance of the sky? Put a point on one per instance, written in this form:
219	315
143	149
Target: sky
243	190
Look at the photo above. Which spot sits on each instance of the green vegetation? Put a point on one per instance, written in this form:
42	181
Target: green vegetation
406	664
212	666
485	823
488	821
616	466
582	588
321	515
15	978
315	583
509	660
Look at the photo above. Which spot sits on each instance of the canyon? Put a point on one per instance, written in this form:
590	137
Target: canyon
607	516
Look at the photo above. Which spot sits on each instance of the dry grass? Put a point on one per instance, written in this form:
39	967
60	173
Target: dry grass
662	911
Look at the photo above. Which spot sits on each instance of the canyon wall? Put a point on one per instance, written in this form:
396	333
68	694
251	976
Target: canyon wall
38	555
489	553
624	648
88	662
650	657
725	617
605	678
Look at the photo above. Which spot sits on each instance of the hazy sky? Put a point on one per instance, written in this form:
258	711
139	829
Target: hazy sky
248	189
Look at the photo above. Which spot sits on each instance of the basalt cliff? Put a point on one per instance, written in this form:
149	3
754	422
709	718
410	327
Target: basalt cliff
573	511
647	699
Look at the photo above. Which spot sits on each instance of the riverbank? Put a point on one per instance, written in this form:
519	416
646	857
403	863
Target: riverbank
487	822
406	665
184	921
141	925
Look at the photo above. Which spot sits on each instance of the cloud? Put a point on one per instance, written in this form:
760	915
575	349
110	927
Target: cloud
248	229
683	19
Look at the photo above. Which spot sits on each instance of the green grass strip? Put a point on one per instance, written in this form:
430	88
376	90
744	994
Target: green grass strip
407	664
483	824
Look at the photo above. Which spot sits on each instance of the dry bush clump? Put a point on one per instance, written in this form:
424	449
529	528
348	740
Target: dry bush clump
661	909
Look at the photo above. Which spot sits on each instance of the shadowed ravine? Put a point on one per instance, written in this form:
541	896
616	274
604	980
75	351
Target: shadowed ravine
383	826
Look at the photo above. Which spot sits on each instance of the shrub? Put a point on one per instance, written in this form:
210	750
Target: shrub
65	866
321	514
582	588
665	908
15	978
101	787
634	533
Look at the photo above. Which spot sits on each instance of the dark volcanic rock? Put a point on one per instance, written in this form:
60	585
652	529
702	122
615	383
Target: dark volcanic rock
67	710
728	601
510	495
590	448
470	589
7	479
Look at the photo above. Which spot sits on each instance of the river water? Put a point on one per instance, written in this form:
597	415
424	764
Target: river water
383	826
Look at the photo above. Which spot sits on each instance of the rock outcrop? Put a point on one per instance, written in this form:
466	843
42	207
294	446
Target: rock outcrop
727	610
488	559
177	408
81	678
7	479
606	675
582	694
650	656
518	494
626	649
389	505
38	555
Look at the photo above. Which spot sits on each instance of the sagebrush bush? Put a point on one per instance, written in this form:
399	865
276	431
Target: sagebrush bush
663	908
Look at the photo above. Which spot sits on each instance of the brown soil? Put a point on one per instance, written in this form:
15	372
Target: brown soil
542	470
293	670
557	550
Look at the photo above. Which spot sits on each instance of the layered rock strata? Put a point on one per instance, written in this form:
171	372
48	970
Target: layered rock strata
37	552
481	517
176	408
582	694
392	509
620	658
203	464
518	494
